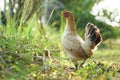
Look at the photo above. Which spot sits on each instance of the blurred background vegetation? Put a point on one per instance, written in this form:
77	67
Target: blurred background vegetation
27	27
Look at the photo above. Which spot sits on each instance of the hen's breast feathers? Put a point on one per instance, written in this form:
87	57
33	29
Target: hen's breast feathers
73	45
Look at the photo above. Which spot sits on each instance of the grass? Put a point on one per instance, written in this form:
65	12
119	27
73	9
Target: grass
18	60
17	53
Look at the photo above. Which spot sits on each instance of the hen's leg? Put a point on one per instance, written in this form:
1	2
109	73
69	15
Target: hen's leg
81	65
75	64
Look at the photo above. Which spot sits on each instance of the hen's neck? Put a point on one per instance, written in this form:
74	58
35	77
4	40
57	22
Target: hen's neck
70	25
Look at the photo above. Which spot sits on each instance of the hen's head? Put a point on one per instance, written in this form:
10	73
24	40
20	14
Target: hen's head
67	14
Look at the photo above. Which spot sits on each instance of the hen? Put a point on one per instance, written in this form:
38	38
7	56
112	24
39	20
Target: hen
75	47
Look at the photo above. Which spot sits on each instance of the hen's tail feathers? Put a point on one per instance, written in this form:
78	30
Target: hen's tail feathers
92	35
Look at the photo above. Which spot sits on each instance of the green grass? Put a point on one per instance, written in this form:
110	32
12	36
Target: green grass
19	46
17	52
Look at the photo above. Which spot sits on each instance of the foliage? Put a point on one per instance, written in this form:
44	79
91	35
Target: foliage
81	10
21	47
21	11
82	13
